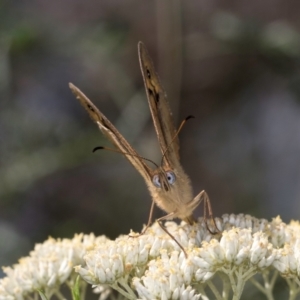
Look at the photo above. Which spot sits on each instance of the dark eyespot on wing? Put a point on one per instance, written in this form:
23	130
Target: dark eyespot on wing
107	125
90	107
148	73
154	94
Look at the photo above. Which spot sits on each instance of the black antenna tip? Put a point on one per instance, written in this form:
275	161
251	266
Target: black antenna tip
189	117
97	148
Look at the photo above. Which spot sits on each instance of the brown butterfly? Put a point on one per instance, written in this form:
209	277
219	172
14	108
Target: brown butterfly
168	184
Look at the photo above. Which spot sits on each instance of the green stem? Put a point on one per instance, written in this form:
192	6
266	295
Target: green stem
226	286
240	284
202	292
232	281
267	289
124	283
83	290
214	290
274	278
128	293
249	273
269	284
294	289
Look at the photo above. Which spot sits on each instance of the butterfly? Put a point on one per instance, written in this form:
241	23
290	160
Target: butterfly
168	184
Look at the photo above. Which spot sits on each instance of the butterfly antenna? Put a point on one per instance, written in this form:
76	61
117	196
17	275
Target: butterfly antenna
176	134
124	153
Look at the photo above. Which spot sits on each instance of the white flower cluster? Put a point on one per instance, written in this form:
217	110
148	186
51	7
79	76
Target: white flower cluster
157	268
47	267
153	266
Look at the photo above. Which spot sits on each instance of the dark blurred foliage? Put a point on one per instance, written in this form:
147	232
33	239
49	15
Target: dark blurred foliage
234	65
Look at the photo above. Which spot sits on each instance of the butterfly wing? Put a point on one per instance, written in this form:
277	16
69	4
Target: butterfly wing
159	107
111	132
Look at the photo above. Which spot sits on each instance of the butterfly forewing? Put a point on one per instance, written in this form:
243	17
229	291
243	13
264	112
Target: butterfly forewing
111	132
159	107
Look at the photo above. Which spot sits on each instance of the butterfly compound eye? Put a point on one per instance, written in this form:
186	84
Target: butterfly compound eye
156	181
171	177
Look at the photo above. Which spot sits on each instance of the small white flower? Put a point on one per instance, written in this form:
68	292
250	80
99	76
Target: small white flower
258	248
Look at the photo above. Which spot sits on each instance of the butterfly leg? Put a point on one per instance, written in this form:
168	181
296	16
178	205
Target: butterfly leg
149	221
167	217
150	218
203	196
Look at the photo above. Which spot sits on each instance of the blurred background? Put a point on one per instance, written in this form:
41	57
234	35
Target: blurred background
232	64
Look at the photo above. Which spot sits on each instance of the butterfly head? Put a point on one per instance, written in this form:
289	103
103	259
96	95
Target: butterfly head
164	179
171	190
